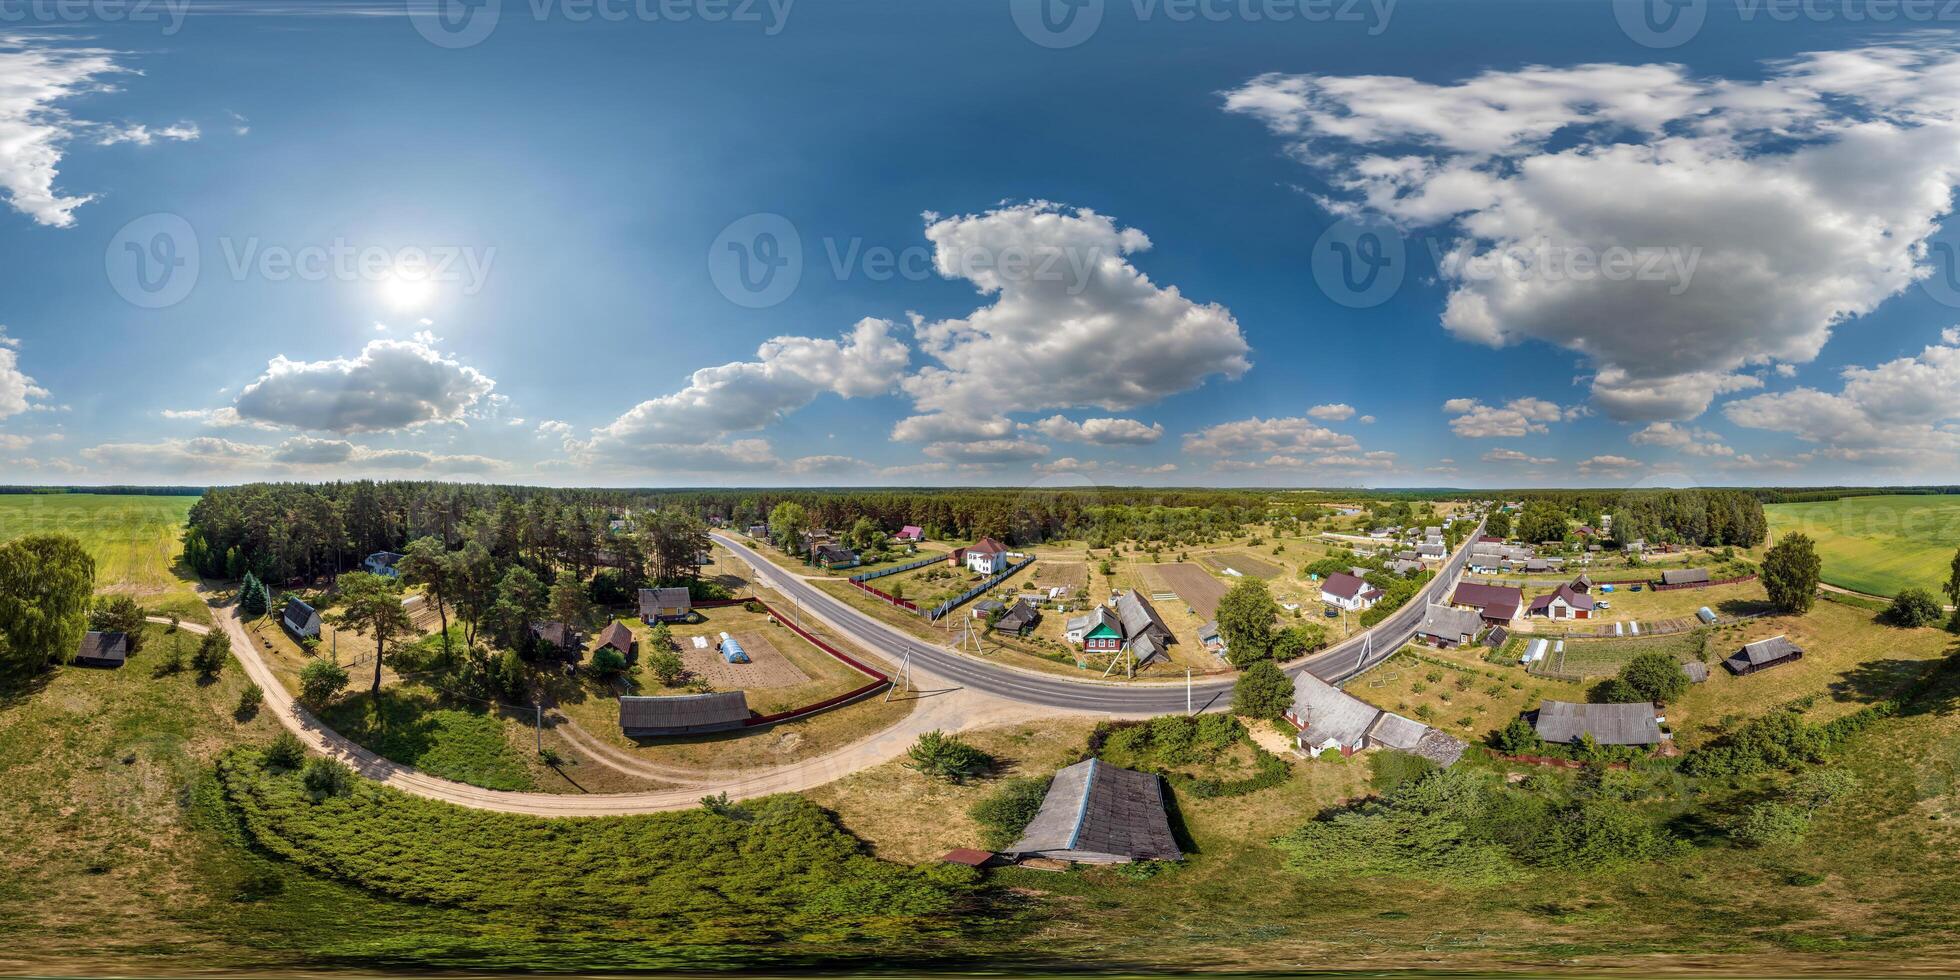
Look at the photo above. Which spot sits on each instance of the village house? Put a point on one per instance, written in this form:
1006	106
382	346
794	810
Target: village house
1763	654
1345	590
382	563
910	534
1566	723
1446	626
1566	602
1212	640
1499	605
1096	813
560	640
834	556
617	637
1685	576
1132	624
665	604
300	619
1328	718
1019	618
759	531
985	557
100	649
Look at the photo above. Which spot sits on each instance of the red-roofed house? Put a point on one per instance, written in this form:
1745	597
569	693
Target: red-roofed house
1499	605
986	556
1565	603
911	532
1343	590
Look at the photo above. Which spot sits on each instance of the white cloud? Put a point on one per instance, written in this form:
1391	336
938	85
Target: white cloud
142	135
988	451
15	443
940	427
1514	456
1746	209
1609	465
1260	435
1101	432
36	77
391	385
554	427
1072	322
1518	417
1904	412
1332	413
17	390
1366	420
1681	438
301	457
741	396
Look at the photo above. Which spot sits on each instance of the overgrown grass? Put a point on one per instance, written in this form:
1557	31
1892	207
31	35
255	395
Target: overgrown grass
416	726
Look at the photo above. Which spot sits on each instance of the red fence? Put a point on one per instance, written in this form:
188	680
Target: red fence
888	597
1658	587
879	681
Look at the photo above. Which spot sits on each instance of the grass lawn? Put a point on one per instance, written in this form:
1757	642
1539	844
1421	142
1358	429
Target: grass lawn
1456	690
415	725
135	539
1878	545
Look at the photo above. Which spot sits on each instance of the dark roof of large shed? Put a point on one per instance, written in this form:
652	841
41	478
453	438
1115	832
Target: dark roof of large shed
1096	808
1766	651
1608	724
1684	576
722	708
103	647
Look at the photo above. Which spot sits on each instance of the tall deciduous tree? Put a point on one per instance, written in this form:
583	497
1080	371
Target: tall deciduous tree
1245	621
1262	691
373	605
118	614
45	584
787	522
1790	572
567	601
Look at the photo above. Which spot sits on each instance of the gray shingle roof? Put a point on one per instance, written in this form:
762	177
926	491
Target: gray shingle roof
1097	812
1608	724
103	648
1764	652
684	714
1450	623
1330	713
1684	576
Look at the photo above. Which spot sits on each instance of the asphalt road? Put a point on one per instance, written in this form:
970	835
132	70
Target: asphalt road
1335	664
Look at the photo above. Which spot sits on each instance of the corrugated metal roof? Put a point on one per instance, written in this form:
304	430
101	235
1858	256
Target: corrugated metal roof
1608	724
682	714
1093	808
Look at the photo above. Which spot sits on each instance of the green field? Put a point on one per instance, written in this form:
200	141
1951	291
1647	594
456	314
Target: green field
1877	544
135	539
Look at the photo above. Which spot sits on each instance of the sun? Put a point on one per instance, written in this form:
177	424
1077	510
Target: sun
406	289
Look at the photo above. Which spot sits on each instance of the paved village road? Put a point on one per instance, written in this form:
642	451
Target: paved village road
1335	664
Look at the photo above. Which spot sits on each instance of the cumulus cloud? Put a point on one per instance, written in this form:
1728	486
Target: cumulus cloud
788	373
390	385
36	78
940	427
1331	413
17	390
1275	435
1682	439
1742	223
1609	465
1101	432
301	457
1904	412
1518	417
1072	322
988	451
1514	456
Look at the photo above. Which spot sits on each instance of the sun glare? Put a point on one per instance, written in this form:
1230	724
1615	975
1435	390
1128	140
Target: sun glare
408	289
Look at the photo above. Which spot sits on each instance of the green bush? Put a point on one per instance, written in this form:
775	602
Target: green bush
285	753
212	654
608	662
947	757
325	777
320	681
1913	608
249	701
1006	812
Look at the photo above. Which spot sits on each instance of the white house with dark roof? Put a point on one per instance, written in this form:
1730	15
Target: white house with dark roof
301	619
382	563
986	556
1345	590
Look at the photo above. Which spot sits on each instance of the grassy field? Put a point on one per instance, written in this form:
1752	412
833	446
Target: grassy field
135	540
1877	544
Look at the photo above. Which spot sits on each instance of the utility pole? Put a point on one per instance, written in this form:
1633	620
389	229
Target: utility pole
1187	692
539	706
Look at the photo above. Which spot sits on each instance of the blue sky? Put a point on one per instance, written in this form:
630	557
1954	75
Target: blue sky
1112	261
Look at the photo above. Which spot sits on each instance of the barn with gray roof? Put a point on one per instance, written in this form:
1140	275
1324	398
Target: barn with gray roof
687	714
1564	722
1096	813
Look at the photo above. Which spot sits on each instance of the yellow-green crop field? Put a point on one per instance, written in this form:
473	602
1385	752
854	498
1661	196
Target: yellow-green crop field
1878	545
